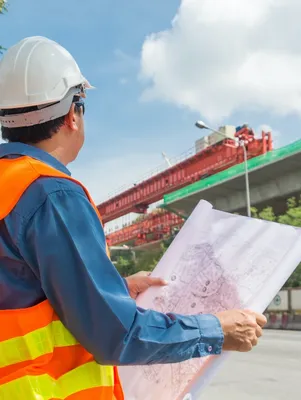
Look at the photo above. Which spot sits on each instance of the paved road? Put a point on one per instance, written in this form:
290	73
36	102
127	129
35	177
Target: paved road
271	372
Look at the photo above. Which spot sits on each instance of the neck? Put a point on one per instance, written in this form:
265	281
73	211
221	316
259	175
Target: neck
55	150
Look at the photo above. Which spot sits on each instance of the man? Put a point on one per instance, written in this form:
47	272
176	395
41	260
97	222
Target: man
66	314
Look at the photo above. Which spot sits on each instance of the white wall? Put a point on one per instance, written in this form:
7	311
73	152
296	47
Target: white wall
296	299
280	302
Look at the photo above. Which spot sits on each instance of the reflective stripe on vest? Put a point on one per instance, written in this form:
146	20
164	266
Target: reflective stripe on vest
39	358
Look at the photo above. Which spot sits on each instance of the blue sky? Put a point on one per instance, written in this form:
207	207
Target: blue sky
125	136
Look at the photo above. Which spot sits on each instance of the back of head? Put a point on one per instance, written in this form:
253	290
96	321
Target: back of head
39	82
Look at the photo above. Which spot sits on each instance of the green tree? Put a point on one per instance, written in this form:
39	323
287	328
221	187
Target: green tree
3	8
266	214
295	280
293	213
147	260
125	266
128	264
292	216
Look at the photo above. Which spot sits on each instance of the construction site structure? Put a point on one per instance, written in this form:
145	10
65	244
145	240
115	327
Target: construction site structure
147	228
208	159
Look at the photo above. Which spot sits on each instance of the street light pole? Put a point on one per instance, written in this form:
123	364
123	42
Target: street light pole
202	125
248	199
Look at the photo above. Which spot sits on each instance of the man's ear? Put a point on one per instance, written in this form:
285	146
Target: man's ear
70	119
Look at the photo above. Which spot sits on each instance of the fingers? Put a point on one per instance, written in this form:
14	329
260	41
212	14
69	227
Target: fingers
260	318
258	331
254	341
144	280
153	281
246	347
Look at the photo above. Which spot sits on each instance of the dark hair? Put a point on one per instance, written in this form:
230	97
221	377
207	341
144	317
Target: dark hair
32	134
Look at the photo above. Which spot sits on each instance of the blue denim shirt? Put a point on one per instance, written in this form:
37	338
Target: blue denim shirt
52	245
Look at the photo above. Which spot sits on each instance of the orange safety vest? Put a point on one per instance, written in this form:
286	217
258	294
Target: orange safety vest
39	358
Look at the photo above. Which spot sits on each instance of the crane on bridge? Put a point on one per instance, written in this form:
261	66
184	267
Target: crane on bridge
207	160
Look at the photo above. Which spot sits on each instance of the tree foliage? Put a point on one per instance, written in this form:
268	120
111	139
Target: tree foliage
3	8
125	265
292	216
128	263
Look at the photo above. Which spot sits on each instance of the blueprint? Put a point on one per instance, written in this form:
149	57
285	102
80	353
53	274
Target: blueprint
218	261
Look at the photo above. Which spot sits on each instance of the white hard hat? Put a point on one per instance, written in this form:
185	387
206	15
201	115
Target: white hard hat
37	72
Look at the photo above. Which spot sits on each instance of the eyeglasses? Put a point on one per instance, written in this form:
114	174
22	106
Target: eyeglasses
79	103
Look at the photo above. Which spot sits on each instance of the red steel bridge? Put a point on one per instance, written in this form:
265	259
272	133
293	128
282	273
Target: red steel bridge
136	199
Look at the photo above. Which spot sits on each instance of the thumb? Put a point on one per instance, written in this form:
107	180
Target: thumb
260	319
153	281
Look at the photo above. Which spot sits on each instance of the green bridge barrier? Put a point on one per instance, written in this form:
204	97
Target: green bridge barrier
236	170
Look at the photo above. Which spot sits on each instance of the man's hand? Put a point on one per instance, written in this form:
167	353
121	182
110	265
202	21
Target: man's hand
242	329
141	281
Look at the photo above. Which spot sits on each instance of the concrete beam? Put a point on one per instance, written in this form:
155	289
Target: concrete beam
282	186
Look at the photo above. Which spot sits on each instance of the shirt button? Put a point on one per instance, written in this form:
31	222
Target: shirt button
210	349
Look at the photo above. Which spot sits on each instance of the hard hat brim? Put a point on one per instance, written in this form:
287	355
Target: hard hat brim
88	84
42	115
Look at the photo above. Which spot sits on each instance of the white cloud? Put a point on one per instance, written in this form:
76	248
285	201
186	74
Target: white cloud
222	56
265	128
276	134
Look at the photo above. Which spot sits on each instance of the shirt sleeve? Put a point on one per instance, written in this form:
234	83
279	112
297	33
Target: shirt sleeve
65	248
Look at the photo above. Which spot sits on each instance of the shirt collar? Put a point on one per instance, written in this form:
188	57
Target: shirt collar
10	150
